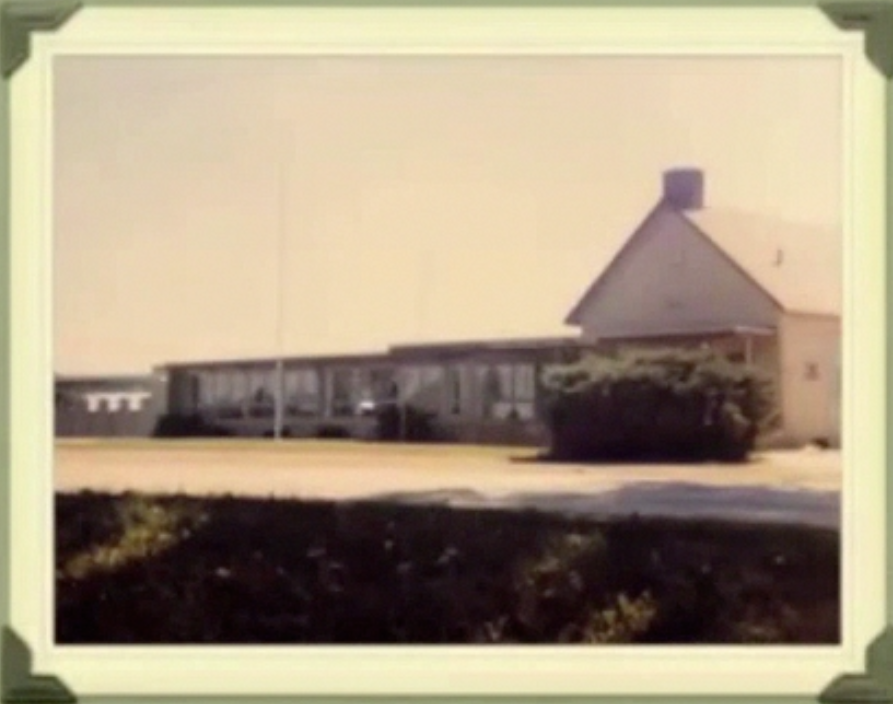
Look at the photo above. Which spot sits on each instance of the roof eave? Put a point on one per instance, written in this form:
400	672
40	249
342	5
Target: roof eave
814	312
573	318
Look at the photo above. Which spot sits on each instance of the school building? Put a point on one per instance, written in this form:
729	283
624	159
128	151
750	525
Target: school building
764	292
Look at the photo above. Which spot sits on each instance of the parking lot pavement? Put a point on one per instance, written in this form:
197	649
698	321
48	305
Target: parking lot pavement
796	486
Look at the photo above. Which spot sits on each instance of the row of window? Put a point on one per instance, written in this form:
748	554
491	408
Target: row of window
490	391
102	402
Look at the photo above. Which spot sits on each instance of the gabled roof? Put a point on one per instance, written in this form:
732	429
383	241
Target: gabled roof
799	266
573	318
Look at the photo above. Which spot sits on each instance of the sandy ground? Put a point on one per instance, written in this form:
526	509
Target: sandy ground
797	486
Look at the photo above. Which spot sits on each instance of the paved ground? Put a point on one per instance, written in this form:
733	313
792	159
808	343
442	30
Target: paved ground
798	486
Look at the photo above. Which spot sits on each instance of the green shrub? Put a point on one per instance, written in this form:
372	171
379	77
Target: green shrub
177	425
144	528
228	570
671	404
394	423
332	431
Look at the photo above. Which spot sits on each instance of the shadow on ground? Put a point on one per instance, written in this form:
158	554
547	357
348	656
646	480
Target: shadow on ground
671	499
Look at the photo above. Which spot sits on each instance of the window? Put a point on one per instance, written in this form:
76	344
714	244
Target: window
302	397
431	377
207	396
422	386
509	391
262	386
525	390
433	391
232	386
188	393
232	389
454	390
342	382
94	402
410	382
221	388
135	400
383	383
362	387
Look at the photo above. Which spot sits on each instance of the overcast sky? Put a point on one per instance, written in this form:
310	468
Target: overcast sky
398	199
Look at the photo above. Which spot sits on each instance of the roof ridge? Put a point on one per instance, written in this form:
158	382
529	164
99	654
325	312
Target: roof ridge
781	220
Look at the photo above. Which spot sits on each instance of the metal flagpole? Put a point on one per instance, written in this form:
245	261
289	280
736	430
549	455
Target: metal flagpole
422	304
280	284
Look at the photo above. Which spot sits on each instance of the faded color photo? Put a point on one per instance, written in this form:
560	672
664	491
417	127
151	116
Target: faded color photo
430	349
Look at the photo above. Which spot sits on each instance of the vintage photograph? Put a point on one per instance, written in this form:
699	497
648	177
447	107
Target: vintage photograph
447	349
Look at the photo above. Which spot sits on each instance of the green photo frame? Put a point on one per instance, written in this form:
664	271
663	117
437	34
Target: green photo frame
20	19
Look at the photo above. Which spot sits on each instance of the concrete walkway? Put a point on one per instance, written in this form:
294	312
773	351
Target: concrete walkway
798	486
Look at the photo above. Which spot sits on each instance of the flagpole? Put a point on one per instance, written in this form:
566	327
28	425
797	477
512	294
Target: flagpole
280	291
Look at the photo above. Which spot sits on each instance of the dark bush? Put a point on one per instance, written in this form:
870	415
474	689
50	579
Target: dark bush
103	525
284	433
332	431
657	405
176	425
395	422
230	570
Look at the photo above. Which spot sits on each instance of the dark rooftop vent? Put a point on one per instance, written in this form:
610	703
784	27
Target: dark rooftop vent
684	188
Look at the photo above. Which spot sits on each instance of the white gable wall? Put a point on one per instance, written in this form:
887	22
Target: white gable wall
671	279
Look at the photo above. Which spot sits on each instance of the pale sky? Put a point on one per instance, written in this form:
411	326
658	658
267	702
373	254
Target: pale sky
425	199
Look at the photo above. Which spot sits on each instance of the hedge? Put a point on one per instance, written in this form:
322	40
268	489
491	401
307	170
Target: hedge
657	405
176	425
135	569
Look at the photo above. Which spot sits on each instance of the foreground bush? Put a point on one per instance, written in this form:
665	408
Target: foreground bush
188	570
680	405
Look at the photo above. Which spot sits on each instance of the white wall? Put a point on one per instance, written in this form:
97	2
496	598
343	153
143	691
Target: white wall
810	361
